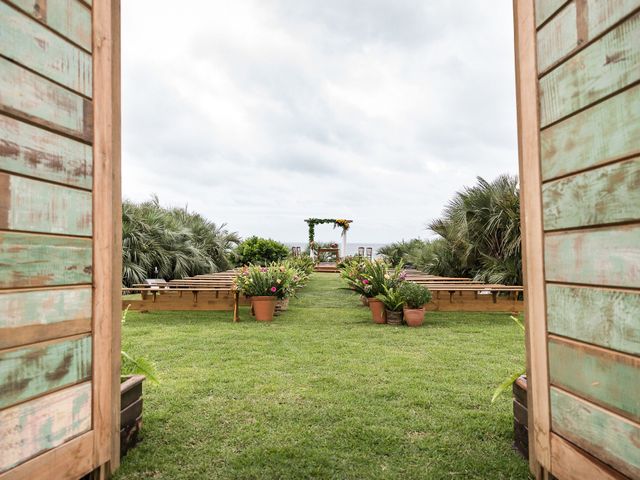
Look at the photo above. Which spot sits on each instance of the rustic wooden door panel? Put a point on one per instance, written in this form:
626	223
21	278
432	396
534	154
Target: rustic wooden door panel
546	8
602	14
600	316
558	37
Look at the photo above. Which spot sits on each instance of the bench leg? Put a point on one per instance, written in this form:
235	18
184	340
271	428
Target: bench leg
236	306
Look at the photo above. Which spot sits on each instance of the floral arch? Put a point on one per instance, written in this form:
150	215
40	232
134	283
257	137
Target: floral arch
337	223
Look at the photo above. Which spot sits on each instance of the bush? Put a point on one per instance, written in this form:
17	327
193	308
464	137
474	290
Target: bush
280	280
371	277
260	251
414	295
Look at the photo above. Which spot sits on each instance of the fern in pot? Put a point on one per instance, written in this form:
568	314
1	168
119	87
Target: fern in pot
415	298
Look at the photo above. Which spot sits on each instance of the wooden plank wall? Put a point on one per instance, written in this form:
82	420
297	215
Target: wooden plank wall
56	335
587	65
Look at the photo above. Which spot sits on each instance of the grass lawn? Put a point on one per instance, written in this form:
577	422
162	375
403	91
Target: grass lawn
322	392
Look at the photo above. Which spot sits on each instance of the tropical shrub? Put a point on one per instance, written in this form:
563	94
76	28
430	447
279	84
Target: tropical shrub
391	298
303	263
260	281
370	277
260	251
414	295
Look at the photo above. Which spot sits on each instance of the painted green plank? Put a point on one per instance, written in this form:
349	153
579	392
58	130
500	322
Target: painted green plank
604	317
607	379
602	14
30	372
44	423
35	206
597	135
608	437
606	66
70	18
29	43
557	38
27	95
31	260
546	8
608	194
35	152
605	257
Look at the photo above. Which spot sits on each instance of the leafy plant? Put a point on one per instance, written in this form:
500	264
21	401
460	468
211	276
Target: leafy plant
508	382
259	281
392	298
260	251
415	295
131	365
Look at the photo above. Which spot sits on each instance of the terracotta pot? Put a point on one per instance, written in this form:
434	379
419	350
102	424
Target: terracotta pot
413	317
377	310
263	308
394	318
364	300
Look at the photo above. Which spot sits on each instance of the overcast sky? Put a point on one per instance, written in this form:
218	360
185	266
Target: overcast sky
261	113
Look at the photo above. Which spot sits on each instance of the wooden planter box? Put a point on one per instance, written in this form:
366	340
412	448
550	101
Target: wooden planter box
130	411
520	417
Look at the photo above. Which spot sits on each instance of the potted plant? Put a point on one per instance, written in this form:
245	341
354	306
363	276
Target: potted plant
393	302
415	297
263	285
379	278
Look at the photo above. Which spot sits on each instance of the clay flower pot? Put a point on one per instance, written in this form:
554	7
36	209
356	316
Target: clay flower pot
377	310
394	318
414	317
263	308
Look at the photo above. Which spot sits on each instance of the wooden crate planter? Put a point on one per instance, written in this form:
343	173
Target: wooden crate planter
130	411
520	417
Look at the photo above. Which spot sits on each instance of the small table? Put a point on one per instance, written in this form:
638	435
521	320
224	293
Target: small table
333	250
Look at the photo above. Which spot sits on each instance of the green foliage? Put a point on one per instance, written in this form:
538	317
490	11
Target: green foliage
392	298
415	295
280	280
303	263
506	385
403	252
174	241
370	277
337	222
260	251
138	365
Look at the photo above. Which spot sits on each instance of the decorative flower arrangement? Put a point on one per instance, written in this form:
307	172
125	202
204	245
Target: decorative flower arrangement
280	280
337	222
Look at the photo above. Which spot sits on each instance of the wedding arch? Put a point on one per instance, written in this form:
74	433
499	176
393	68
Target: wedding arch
337	223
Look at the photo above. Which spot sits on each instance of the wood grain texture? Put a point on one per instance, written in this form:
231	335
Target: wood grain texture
29	43
602	68
35	206
606	256
607	436
34	98
609	379
572	463
603	14
609	194
29	260
598	135
600	316
39	315
558	37
44	423
70	18
32	151
545	8
32	371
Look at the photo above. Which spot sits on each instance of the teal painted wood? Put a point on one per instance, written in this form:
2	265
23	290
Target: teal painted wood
610	380
35	206
32	260
557	38
546	8
70	18
604	317
44	423
608	194
29	43
606	66
602	14
44	307
595	136
27	95
33	371
608	437
32	151
606	256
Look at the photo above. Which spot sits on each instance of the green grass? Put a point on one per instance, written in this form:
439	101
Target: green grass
322	392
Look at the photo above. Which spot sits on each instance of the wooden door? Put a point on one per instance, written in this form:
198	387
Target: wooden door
578	76
59	238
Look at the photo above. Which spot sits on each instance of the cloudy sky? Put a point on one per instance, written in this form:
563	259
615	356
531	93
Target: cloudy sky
261	113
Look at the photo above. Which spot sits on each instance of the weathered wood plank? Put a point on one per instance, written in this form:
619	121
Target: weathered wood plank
35	152
609	379
607	256
29	43
44	423
546	8
606	66
571	463
558	37
604	317
30	260
608	194
607	436
32	371
70	18
35	316
29	96
602	133
35	206
602	14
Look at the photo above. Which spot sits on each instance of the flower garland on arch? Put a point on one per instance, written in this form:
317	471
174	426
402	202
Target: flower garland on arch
337	222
